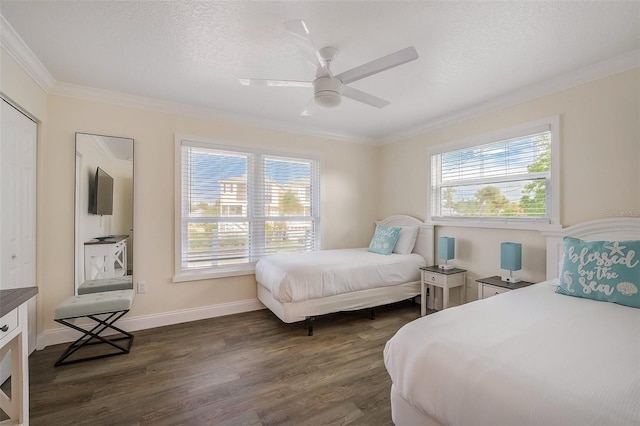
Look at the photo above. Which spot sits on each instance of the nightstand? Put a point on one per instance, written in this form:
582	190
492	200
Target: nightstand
434	276
491	286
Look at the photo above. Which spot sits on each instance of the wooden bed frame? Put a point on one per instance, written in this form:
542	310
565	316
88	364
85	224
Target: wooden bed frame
614	229
306	310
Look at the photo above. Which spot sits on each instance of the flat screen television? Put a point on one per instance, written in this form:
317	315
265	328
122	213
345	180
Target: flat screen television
101	194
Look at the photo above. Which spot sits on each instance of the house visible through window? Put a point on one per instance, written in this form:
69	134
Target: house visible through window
510	180
239	204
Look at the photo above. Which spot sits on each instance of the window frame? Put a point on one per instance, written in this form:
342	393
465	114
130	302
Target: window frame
248	268
552	222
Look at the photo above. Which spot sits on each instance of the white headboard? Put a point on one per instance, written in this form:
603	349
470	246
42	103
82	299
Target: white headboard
424	241
615	229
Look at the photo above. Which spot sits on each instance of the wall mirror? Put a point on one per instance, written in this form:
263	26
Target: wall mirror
103	211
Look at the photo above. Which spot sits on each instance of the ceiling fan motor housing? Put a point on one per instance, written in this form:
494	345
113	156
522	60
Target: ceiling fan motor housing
327	91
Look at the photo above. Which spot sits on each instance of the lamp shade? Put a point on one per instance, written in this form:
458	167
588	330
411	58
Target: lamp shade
446	248
511	256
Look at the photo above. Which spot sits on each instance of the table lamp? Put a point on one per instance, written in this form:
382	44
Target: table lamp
511	260
446	251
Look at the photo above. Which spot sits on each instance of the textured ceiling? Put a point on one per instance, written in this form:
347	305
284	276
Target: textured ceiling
471	53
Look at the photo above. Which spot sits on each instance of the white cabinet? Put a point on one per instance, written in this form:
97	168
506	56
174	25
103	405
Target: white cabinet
14	348
434	276
18	143
105	259
489	290
493	286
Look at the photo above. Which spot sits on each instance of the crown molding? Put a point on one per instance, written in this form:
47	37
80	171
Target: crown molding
562	82
13	44
593	72
168	107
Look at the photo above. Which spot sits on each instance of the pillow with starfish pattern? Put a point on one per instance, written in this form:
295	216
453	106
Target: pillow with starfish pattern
601	270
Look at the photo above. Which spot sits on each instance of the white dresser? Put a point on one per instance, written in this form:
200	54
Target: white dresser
14	345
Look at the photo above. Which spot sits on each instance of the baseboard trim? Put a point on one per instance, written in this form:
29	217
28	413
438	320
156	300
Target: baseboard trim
64	334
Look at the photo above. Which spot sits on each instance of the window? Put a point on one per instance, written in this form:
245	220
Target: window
237	204
507	178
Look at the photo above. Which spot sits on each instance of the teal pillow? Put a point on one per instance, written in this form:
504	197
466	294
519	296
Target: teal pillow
601	270
384	239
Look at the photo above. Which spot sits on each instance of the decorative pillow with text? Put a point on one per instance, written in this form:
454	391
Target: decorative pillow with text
601	270
384	239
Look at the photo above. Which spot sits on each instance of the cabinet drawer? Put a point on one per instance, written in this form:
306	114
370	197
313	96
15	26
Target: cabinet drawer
430	278
8	322
488	290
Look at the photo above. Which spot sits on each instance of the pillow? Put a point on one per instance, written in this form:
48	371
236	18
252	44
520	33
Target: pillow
407	240
601	270
384	239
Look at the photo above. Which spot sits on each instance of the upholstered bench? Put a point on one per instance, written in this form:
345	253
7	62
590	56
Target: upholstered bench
106	284
105	309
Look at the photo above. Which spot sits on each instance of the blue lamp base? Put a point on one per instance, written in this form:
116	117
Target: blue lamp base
510	260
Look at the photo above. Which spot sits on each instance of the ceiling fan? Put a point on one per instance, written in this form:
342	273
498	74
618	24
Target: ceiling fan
328	88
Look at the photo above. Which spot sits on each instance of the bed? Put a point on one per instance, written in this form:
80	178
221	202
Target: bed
527	357
301	286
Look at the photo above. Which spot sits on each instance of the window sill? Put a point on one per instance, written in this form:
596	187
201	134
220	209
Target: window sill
532	225
213	274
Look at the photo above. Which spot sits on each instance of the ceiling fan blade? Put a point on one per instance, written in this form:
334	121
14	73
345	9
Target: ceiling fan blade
360	96
392	60
274	83
310	109
301	31
309	56
299	28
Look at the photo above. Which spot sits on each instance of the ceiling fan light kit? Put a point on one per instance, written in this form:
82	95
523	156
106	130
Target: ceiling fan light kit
328	89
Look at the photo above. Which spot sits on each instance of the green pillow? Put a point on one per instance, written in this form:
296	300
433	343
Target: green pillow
601	270
384	239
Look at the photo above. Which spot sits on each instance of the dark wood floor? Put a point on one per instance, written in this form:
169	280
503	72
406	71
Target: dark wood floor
244	369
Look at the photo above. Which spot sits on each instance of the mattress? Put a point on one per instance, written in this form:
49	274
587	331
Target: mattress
526	357
296	277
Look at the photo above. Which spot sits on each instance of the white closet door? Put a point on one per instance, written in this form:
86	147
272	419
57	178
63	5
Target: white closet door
18	205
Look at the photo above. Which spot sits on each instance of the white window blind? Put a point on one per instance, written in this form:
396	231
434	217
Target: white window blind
237	205
284	202
506	179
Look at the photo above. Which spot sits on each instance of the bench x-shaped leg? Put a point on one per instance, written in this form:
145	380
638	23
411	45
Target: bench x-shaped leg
88	337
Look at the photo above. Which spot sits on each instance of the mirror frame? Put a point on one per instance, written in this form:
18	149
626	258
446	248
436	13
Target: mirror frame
111	154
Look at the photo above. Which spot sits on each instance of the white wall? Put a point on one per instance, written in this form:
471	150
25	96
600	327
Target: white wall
122	218
600	168
21	89
348	192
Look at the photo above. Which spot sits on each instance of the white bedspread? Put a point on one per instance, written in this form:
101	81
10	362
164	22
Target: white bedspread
294	277
526	357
